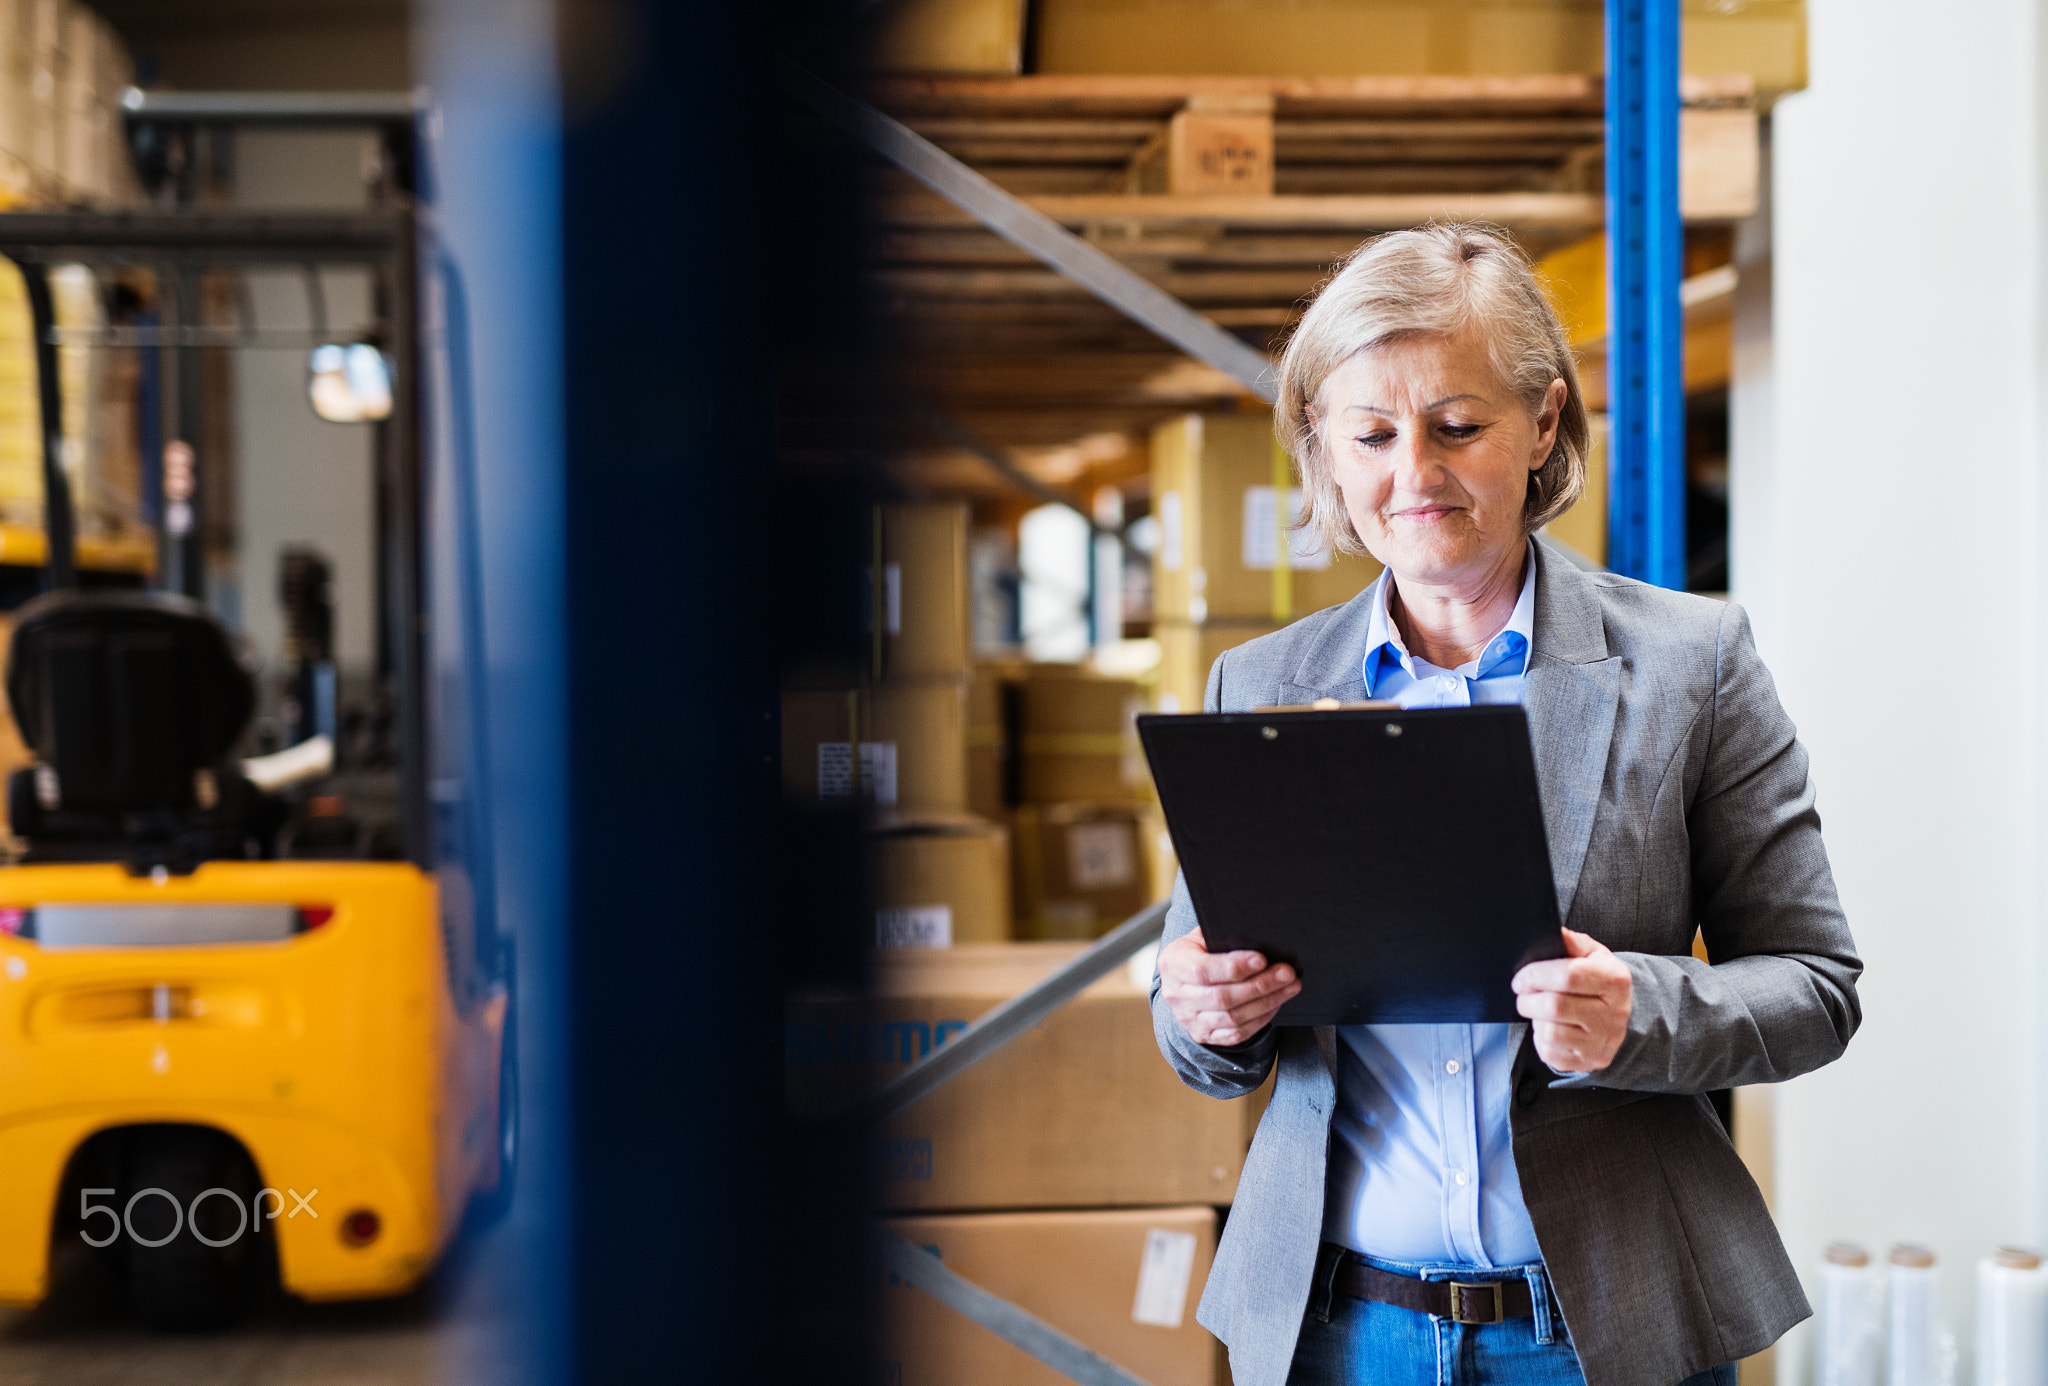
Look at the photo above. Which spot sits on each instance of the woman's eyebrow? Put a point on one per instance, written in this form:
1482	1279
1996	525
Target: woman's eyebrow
1437	404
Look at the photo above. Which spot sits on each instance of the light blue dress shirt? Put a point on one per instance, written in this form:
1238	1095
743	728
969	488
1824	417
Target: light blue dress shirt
1422	1166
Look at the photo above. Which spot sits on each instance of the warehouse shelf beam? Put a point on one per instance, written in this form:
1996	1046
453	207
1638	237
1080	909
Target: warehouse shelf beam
1031	230
1646	320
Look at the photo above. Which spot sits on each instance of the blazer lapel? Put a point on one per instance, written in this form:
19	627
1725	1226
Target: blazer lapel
1571	693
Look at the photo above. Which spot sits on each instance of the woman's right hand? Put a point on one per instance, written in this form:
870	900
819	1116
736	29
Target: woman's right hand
1221	999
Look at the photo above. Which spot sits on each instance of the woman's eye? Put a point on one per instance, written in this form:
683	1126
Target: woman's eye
1377	439
1460	432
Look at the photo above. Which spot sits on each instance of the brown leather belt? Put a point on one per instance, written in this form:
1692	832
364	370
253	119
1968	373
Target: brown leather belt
1461	1301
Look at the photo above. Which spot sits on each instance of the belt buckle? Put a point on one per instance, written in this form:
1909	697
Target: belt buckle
1464	1293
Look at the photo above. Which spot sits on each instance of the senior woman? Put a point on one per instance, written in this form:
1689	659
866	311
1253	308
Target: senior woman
1554	1200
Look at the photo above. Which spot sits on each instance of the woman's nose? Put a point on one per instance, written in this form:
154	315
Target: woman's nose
1414	466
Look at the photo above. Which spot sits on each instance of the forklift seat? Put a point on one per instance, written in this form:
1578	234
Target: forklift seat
131	702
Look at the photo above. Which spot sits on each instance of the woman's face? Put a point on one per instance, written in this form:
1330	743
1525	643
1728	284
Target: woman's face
1432	452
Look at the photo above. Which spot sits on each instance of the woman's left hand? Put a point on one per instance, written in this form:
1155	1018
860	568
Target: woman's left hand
1579	1004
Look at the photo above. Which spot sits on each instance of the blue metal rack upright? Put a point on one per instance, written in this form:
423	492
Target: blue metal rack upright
1645	328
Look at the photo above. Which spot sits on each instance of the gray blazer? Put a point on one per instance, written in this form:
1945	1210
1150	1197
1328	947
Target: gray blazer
1675	795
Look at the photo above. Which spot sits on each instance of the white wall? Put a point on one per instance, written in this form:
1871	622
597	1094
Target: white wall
1896	566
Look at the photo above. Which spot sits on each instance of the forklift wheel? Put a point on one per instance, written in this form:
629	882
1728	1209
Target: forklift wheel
187	1282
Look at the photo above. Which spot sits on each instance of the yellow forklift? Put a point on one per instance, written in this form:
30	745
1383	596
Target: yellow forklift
243	1031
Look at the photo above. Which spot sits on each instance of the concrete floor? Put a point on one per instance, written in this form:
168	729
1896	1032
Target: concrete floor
81	1337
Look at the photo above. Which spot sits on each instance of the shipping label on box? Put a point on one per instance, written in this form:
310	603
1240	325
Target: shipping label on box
1102	856
876	777
1163	1277
914	926
1305	548
912	740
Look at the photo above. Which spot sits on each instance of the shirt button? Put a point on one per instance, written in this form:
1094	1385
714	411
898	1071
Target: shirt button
1453	1066
1463	1178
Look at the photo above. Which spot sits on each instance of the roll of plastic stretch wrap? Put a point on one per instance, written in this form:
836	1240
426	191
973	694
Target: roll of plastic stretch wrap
1917	1351
2012	1319
1851	1318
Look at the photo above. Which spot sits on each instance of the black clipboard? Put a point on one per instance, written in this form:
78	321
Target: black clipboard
1396	859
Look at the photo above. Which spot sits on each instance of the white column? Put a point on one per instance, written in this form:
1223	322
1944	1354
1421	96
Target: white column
1899	577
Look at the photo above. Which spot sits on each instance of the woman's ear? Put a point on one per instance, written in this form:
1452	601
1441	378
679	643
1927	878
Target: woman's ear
1547	420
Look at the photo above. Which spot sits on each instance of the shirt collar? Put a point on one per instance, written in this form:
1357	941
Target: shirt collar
1505	655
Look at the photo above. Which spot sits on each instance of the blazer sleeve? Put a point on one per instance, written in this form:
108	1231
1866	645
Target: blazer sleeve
1780	996
1217	1071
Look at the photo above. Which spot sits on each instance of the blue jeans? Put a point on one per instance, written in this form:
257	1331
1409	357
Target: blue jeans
1358	1342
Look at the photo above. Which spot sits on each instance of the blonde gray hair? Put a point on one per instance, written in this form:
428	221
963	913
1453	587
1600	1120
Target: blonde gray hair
1432	281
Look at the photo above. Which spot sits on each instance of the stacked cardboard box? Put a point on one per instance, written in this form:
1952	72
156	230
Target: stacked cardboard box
893	742
912	740
1079	1112
1081	844
1077	738
940	880
1082	869
991	709
1070	1173
1229	566
62	140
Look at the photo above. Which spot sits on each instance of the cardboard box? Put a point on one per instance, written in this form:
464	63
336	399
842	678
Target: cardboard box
1216	482
1222	145
1254	38
47	69
79	102
980	37
1125	1283
1081	869
1218	146
1186	653
988	740
912	738
1077	738
940	882
923	602
1080	1112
